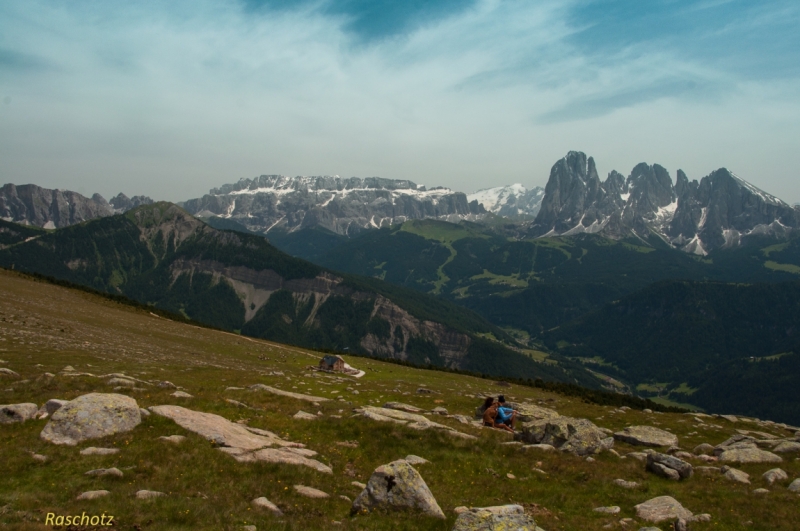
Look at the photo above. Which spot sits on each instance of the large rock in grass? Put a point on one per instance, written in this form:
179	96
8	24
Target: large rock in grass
749	455
646	436
501	518
576	436
681	467
397	486
12	413
92	416
662	508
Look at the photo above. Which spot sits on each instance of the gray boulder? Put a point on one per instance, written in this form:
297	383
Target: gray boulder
577	436
749	455
736	475
786	447
794	486
92	416
662	508
773	475
500	518
397	485
12	413
646	436
264	503
680	466
8	372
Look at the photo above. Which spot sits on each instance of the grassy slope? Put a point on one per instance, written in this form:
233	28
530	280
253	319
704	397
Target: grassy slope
44	327
112	257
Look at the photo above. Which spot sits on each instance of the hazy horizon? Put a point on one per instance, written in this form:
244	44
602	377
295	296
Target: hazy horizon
170	100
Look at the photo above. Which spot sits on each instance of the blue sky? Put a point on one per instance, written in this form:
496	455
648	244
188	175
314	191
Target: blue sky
170	99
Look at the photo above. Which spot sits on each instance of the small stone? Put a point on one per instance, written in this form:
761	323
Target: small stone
148	494
761	491
8	372
345	498
93	494
613	509
249	528
625	484
166	385
544	447
121	382
114	472
310	492
181	394
144	412
794	486
737	476
264	503
302	415
511	476
703	517
423	391
358	484
590	459
439	411
703	449
99	451
175	439
776	474
39	457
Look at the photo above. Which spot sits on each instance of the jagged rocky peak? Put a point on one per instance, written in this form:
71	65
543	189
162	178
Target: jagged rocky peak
717	212
723	209
513	201
344	206
33	205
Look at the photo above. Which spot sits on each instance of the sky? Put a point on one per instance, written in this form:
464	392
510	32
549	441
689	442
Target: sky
170	99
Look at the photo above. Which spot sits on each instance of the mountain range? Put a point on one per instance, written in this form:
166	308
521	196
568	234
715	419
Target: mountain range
160	255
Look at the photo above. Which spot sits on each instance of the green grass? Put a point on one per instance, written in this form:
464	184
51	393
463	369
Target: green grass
45	327
788	268
667	402
509	280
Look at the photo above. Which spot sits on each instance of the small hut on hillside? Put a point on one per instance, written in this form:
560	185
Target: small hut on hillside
334	363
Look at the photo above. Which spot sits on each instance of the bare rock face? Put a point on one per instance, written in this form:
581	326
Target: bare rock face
500	518
397	486
577	436
662	508
646	436
12	413
92	416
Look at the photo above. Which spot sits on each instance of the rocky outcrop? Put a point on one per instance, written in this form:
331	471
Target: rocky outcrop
342	206
92	416
513	202
397	486
576	436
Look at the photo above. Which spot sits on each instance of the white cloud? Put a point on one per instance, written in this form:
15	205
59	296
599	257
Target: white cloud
171	101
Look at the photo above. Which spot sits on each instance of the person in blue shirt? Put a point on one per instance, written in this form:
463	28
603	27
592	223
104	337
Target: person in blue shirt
506	414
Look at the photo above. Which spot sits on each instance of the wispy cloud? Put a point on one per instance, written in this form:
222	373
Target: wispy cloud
173	98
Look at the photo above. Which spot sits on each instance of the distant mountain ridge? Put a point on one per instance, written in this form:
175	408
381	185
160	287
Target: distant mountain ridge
342	206
30	204
697	217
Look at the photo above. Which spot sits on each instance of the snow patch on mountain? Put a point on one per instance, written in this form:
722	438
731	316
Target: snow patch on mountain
512	201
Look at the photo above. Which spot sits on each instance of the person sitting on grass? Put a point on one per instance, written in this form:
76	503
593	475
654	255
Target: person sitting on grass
506	414
490	415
